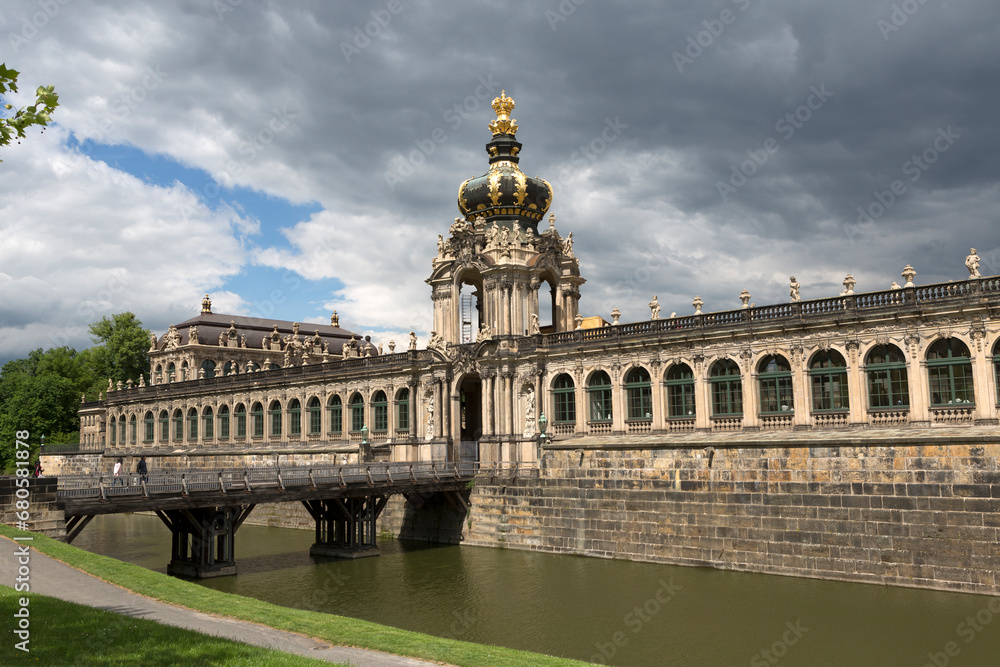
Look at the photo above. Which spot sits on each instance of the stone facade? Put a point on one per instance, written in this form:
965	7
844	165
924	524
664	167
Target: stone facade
842	430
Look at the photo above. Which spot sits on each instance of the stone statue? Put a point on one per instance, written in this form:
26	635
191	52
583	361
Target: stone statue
287	360
972	264
504	236
413	341
535	329
435	343
849	283
152	342
392	346
529	413
552	220
110	386
793	289
265	343
568	245
430	416
484	332
440	245
380	349
243	340
193	336
654	309
895	285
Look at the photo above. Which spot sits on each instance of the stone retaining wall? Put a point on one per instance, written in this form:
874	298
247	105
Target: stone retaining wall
43	514
924	516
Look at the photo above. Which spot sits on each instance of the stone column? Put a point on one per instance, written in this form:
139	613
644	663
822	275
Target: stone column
920	396
702	397
751	404
618	404
985	398
856	387
801	391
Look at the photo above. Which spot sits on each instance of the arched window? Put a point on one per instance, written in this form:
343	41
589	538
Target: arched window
564	400
828	378
224	422
112	431
885	367
294	418
209	367
315	416
380	411
185	372
275	412
132	430
208	423
639	394
949	369
335	406
727	388
403	410
680	392
159	373
178	425
240	413
599	394
257	419
149	427
171	372
996	369
357	413
121	430
164	426
774	377
193	425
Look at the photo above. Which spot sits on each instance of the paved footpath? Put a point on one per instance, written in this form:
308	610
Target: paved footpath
56	579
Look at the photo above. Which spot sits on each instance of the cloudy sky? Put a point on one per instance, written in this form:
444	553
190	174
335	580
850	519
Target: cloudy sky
299	157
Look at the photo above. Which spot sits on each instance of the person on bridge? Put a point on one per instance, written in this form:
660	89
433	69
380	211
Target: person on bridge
38	468
142	469
118	472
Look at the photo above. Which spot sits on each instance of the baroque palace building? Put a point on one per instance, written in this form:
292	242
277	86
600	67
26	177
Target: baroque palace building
511	358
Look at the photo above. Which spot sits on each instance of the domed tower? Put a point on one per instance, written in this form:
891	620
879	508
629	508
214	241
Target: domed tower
496	274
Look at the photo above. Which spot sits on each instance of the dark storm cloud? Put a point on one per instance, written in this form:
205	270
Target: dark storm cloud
834	100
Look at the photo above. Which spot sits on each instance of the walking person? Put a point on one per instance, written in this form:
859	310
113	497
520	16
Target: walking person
118	472
142	470
38	468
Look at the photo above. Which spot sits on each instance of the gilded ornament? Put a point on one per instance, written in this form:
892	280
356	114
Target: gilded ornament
463	204
504	124
494	183
521	188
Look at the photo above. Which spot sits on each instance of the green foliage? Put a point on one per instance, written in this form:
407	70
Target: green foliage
41	394
39	113
122	347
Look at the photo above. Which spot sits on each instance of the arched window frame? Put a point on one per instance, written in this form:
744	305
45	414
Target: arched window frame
774	382
208	423
209	367
178	425
601	408
403	409
828	382
336	409
112	431
638	395
171	372
563	399
224	422
193	425
294	418
164	426
257	419
240	414
122	430
887	376
726	382
315	411
950	375
149	426
274	411
996	370
680	392
357	406
380	412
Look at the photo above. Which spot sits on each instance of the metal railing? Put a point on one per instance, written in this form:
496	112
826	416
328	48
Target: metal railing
235	480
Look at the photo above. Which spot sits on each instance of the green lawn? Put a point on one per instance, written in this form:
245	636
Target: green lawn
329	627
64	633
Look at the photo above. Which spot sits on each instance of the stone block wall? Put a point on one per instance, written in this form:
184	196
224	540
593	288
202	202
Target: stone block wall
925	516
76	463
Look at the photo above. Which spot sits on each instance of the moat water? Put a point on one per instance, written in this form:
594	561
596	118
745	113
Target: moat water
609	611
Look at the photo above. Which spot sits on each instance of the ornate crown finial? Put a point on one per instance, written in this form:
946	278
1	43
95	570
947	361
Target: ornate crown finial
206	305
504	124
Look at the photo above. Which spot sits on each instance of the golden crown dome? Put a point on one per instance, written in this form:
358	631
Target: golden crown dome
504	124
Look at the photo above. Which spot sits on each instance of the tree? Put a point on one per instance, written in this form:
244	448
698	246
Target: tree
122	348
39	113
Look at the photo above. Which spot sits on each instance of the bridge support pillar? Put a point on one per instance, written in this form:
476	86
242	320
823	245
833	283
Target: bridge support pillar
203	541
345	527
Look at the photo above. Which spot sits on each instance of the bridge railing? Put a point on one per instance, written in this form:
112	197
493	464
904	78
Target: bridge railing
226	480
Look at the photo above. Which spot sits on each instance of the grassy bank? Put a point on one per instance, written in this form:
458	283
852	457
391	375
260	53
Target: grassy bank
334	629
65	633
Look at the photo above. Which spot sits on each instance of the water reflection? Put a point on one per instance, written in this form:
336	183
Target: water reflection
617	612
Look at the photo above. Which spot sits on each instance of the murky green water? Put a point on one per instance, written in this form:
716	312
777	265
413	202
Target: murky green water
616	612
